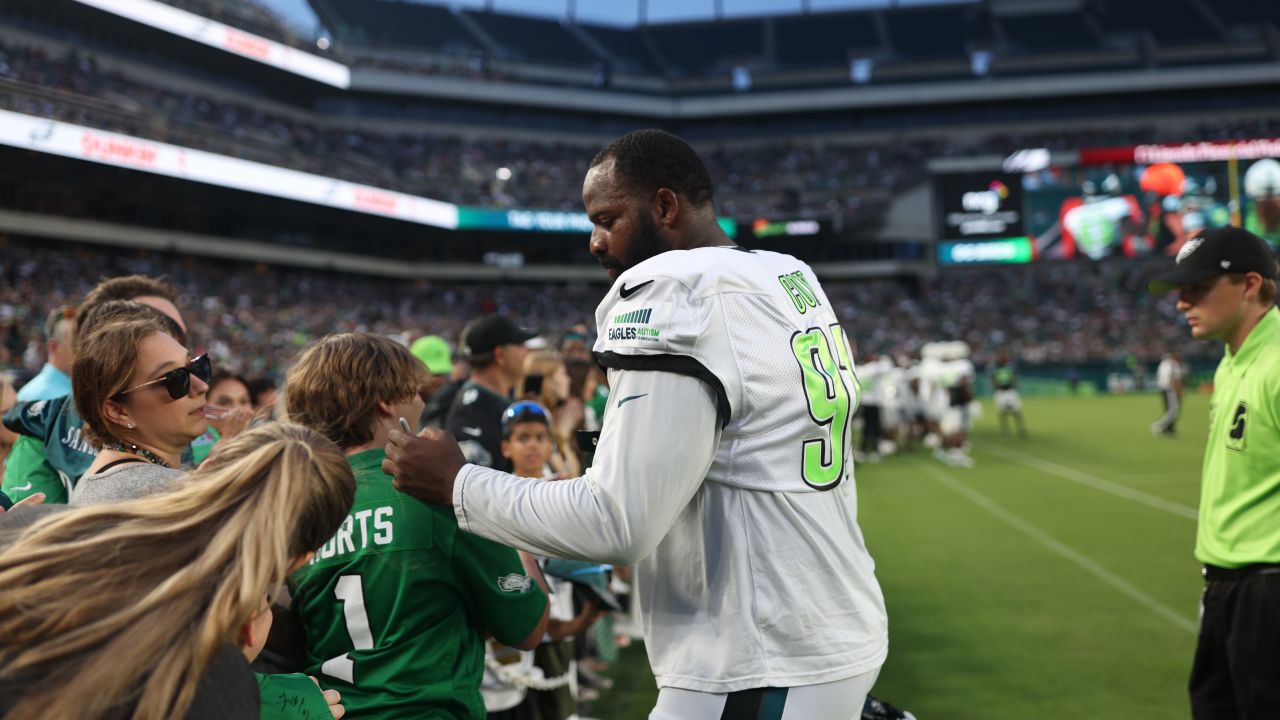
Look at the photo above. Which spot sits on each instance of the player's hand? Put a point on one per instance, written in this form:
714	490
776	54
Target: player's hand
32	499
333	698
424	465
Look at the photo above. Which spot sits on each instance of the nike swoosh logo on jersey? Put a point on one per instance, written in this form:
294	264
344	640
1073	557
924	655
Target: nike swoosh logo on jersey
473	431
24	487
625	292
629	399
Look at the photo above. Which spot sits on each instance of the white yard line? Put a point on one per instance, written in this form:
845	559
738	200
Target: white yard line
1133	592
1093	481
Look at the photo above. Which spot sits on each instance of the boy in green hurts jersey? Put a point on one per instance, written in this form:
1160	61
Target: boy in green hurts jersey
1226	284
396	606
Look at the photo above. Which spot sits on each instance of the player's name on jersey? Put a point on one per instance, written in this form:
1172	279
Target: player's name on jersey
371	527
75	440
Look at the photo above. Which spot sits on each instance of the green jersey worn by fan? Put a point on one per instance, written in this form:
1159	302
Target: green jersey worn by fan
396	606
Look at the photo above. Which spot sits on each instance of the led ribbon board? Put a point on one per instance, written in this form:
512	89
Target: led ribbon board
224	37
108	148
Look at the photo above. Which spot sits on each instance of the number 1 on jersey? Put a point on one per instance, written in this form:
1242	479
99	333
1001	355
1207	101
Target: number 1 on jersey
831	391
350	592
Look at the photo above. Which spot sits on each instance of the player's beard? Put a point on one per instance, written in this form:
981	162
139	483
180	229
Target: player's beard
645	243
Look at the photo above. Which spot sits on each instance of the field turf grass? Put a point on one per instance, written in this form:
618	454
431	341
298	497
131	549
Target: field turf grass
1055	579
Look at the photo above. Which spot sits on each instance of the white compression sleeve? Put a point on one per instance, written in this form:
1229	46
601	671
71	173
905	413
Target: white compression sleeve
657	443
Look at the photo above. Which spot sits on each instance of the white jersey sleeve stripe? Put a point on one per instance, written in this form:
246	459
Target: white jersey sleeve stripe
677	364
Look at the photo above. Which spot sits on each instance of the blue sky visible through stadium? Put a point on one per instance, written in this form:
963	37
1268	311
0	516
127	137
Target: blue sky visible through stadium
625	12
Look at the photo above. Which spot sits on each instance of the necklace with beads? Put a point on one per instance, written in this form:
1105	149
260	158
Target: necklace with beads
141	452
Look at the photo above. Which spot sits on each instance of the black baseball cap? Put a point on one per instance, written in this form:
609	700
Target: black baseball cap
1213	252
487	333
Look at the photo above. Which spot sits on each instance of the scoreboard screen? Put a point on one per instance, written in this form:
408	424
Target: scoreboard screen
1108	202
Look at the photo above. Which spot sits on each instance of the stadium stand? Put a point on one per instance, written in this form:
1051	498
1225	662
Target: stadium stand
937	32
703	47
1245	13
827	39
382	22
1049	32
262	315
628	49
522	38
1180	22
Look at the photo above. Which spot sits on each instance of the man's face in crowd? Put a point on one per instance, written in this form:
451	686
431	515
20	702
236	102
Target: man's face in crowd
511	358
624	232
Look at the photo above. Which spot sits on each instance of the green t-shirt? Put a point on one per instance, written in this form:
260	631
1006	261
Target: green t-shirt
1004	378
27	472
1240	492
396	605
203	445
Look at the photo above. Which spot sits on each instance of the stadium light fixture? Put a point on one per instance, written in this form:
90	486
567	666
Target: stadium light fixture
860	70
1028	160
980	62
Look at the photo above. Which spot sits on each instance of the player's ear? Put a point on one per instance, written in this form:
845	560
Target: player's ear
384	409
666	206
506	448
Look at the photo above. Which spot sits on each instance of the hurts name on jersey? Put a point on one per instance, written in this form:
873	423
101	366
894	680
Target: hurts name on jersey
354	534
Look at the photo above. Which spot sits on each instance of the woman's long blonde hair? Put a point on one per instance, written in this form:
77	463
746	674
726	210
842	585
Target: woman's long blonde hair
109	606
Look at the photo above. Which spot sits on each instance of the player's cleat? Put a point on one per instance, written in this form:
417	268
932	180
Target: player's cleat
876	709
959	458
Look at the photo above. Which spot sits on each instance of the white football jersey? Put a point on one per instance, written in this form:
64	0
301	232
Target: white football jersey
764	579
756	326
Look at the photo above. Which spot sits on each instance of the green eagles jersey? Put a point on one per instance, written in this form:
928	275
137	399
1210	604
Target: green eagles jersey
55	424
397	604
1240	491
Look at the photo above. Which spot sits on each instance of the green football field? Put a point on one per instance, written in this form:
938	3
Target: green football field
1054	579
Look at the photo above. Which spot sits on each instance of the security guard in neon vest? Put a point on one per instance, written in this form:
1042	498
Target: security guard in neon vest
1226	284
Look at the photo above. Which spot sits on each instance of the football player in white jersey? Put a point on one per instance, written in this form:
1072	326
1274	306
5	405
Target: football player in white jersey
723	470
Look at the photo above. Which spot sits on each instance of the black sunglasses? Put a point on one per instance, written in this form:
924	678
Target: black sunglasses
178	380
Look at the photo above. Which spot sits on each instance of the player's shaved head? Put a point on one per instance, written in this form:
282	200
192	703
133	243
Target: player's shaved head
647	160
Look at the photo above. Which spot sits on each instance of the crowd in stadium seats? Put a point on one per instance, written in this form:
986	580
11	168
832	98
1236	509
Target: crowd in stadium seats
255	320
786	178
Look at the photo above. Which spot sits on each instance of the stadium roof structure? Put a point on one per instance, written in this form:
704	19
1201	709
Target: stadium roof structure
976	46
